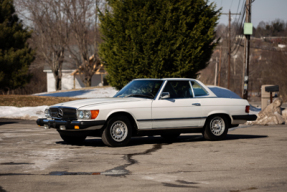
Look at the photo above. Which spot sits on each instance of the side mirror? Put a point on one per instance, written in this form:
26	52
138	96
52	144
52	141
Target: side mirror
165	95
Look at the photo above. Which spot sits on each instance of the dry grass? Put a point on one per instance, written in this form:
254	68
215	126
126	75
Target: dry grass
30	101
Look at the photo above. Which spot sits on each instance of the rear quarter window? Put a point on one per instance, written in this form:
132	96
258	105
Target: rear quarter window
198	90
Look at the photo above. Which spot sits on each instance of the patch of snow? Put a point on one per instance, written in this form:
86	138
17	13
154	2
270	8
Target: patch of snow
33	113
84	93
30	113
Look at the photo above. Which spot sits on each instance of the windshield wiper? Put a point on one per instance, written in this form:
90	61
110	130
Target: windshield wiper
140	95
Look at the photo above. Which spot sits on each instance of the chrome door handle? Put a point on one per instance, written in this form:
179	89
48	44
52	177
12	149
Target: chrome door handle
196	104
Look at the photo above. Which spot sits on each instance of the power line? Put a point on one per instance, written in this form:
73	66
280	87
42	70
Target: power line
229	43
240	28
252	47
231	4
238	5
237	17
265	49
242	14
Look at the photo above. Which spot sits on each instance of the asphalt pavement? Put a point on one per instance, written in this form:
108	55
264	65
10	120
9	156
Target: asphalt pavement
252	158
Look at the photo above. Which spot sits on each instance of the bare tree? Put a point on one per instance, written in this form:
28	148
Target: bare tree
50	32
83	45
62	28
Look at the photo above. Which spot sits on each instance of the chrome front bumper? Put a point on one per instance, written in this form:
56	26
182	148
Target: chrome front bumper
70	125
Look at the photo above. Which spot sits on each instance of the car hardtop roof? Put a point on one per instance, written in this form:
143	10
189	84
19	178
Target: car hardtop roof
210	93
178	79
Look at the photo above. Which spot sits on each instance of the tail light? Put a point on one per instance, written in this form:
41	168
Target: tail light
247	107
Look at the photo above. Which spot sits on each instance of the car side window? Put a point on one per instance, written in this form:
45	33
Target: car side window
178	89
198	90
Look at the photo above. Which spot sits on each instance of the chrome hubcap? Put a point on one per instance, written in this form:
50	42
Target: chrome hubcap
217	126
119	131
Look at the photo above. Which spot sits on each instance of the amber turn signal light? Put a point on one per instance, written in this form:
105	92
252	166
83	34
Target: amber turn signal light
94	114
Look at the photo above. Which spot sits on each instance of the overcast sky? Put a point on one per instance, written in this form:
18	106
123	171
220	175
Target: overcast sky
261	10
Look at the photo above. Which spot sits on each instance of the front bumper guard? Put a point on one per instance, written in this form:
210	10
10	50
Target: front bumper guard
70	125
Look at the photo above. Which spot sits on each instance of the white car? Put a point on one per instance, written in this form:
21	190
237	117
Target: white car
166	107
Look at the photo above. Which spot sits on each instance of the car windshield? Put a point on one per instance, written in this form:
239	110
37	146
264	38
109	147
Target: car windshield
141	88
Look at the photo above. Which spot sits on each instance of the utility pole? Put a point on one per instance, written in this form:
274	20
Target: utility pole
219	66
229	43
229	47
96	29
247	48
215	71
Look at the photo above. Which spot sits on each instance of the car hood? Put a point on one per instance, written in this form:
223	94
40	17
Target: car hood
98	101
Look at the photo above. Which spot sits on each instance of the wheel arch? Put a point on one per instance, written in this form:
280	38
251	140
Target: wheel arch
227	116
128	115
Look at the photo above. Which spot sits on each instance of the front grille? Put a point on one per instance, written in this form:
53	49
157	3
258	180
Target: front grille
54	112
66	113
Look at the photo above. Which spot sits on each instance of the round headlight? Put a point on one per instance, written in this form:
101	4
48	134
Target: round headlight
47	113
80	114
87	114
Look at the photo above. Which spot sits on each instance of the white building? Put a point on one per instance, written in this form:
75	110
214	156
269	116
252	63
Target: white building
71	78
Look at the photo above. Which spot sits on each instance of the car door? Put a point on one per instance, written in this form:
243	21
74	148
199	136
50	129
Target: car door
180	110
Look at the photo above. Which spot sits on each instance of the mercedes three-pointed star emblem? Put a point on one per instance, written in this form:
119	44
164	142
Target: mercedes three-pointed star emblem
60	113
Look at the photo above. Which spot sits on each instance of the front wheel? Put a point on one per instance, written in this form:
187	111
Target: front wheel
73	139
118	131
216	128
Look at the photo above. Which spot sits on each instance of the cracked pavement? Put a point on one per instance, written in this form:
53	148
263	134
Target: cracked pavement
251	158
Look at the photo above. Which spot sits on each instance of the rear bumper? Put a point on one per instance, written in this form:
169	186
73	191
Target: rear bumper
244	117
70	125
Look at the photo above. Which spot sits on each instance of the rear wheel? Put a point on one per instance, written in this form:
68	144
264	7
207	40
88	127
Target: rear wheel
73	139
216	128
118	131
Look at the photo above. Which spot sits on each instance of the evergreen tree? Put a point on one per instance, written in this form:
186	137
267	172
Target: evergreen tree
156	38
15	55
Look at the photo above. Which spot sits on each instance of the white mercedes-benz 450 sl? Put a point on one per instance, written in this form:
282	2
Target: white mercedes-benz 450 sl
166	107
